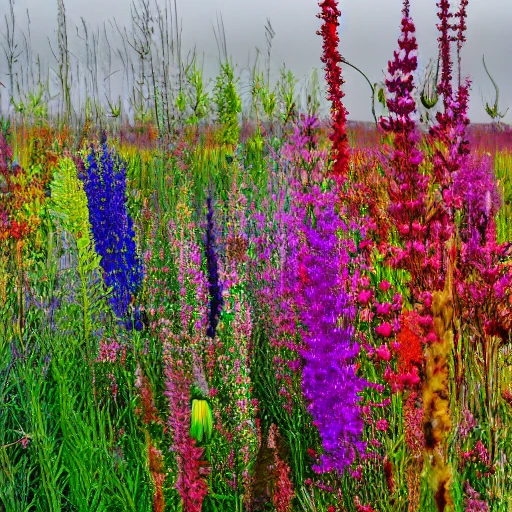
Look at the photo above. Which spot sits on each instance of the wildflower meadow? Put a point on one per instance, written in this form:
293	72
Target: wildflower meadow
216	298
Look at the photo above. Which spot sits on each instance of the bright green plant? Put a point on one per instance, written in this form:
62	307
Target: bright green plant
228	103
493	111
34	105
287	96
69	207
198	98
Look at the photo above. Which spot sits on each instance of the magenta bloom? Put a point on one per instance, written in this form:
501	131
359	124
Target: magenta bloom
385	329
382	425
385	285
383	309
383	353
364	296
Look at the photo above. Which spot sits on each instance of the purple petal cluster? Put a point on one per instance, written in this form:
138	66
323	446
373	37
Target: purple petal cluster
475	184
112	227
473	501
330	382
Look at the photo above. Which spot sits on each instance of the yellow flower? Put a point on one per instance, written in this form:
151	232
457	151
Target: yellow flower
201	421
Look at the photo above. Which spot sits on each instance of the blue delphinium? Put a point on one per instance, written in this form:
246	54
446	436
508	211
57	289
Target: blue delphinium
215	287
104	181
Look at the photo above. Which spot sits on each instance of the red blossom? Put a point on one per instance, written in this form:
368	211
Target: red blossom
158	474
360	507
444	27
388	471
410	352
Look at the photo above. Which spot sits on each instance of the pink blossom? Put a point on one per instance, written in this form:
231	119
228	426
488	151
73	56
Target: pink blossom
383	309
382	425
383	353
385	329
366	315
384	285
364	296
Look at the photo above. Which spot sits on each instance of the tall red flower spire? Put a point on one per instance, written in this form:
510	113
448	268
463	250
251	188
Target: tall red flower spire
452	121
461	38
444	27
332	59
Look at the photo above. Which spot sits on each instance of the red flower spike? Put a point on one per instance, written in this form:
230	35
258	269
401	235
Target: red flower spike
332	59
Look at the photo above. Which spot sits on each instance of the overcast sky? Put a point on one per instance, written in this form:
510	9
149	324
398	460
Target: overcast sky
368	33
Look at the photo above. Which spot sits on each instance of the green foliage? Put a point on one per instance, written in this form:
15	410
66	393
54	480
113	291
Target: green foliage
313	94
502	166
287	96
69	206
428	95
5	127
493	111
263	98
114	108
198	98
228	104
34	106
193	101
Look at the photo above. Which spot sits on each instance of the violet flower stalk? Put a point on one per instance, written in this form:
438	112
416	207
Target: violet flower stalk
215	287
277	241
330	382
112	227
483	283
473	501
476	185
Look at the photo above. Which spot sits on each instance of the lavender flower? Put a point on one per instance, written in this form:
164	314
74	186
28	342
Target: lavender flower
112	227
330	382
475	184
472	502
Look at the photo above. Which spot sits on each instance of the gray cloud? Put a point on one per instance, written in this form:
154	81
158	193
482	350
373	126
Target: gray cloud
368	33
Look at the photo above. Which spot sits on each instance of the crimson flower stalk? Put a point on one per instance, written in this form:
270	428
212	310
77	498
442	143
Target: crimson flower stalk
452	122
444	27
191	483
332	59
408	186
461	38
